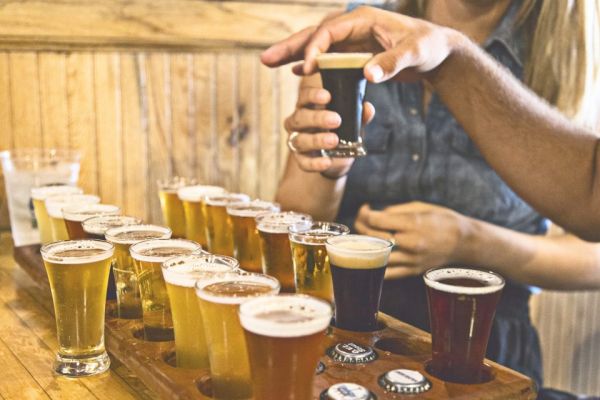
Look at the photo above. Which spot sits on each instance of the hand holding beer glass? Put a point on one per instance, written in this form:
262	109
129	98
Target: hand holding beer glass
462	304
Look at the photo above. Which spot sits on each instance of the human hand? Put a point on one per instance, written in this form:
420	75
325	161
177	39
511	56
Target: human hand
404	47
309	124
426	235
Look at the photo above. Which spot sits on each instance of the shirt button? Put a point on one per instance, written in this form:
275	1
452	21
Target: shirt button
416	157
413	111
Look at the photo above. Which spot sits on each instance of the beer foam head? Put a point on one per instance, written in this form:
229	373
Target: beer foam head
186	270
222	200
77	251
343	60
160	250
100	224
284	316
43	192
358	251
81	212
130	234
55	204
236	288
252	209
316	232
174	183
279	222
198	192
490	281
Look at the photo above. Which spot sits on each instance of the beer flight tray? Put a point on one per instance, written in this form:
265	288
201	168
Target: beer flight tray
395	346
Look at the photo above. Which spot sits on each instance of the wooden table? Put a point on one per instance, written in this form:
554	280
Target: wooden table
28	344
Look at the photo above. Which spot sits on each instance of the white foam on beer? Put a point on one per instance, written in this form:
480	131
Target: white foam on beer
119	234
280	222
187	270
242	278
43	192
222	200
252	209
285	316
50	251
493	282
198	192
100	224
315	233
150	250
343	60
81	212
358	251
55	204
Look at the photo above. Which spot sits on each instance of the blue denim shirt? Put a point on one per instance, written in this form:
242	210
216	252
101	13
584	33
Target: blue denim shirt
430	158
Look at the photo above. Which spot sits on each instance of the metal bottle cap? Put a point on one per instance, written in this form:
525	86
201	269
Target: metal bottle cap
347	391
404	381
320	368
352	353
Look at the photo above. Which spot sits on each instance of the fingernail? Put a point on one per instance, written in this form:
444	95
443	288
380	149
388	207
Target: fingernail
333	119
376	72
322	95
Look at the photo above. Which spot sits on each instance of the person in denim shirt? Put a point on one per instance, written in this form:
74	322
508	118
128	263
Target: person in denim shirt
426	184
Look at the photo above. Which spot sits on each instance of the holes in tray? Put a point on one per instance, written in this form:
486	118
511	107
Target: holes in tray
204	385
396	346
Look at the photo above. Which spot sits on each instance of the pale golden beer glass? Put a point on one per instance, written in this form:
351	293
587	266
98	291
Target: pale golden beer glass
194	208
219	299
78	276
54	207
95	227
275	246
181	274
170	204
39	196
75	214
312	271
219	230
148	257
246	246
285	336
129	302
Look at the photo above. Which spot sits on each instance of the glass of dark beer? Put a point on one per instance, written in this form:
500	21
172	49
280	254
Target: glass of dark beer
358	265
462	304
342	76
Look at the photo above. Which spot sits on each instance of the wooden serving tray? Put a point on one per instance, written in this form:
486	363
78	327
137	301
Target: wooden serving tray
398	345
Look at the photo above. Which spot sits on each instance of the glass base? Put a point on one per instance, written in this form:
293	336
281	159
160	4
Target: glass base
346	150
75	367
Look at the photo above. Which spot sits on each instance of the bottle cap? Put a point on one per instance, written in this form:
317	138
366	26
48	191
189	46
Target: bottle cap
404	381
347	391
352	353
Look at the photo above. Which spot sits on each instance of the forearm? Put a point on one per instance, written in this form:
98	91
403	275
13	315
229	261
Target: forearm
546	159
551	262
309	192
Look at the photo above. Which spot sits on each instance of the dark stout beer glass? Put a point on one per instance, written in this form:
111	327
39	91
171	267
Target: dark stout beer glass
358	265
342	76
462	304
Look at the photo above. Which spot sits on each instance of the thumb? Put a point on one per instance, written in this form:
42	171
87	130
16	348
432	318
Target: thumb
384	66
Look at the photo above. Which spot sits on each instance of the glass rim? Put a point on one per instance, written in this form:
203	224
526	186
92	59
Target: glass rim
197	193
134	249
241	208
195	262
174	183
304	227
225	199
250	310
88	223
278	221
232	277
55	204
330	242
464	273
74	211
106	248
38	151
111	234
41	192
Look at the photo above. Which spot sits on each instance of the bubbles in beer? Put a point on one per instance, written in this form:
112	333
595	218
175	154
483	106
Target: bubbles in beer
159	250
279	222
358	251
464	281
186	270
236	288
77	251
131	234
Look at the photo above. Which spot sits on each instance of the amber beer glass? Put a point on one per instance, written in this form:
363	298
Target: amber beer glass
342	76
129	303
462	304
284	335
246	247
95	227
309	255
219	299
170	204
181	274
358	265
75	214
148	257
219	230
78	275
275	246
54	207
194	209
39	196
